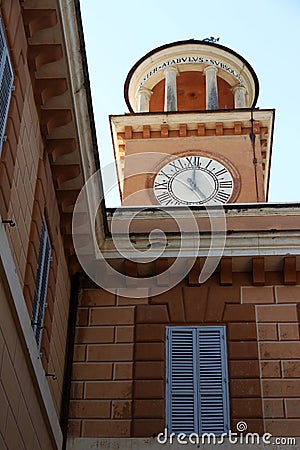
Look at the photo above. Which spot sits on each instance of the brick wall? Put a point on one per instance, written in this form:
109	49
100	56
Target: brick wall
118	382
279	347
102	379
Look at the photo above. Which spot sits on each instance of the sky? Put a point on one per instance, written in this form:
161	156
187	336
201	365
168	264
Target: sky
265	32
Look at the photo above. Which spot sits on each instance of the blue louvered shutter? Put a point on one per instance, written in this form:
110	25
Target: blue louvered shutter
197	380
6	83
41	284
181	380
213	380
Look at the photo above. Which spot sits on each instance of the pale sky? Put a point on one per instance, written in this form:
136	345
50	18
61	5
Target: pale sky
265	32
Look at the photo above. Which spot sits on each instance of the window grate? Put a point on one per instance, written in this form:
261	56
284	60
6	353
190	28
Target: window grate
41	284
197	387
6	84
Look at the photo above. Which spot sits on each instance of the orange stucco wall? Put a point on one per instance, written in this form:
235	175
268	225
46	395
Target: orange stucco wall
236	149
191	93
26	195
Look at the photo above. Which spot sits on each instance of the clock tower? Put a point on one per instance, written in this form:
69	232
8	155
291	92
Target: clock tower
193	135
188	317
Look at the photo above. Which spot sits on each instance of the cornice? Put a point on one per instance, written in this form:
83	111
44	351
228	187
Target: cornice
57	64
251	230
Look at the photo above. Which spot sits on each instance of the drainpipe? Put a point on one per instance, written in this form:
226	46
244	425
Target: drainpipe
66	390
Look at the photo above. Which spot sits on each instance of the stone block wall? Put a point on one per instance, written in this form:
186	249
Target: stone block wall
279	347
22	426
27	194
102	380
118	382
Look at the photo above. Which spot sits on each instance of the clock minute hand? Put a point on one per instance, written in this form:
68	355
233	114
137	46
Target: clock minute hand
199	191
194	174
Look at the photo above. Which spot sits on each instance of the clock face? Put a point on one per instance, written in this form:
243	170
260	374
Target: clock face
193	180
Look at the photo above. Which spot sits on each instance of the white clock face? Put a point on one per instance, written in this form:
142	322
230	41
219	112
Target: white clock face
193	180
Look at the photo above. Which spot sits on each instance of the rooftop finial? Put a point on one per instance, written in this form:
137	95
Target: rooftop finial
211	39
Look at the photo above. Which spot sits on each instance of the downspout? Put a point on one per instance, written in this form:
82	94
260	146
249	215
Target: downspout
66	390
252	140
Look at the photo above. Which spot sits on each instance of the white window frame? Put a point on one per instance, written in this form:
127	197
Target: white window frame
197	379
6	84
41	285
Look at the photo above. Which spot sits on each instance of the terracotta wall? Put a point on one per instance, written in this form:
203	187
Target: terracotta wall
191	93
118	382
102	378
26	195
279	346
235	152
22	424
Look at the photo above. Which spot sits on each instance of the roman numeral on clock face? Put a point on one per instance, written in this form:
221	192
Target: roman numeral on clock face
222	197
225	184
192	161
197	161
180	181
189	160
161	186
208	164
164	198
220	172
177	165
167	175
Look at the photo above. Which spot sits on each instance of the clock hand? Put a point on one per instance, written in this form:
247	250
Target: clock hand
200	192
194	173
193	186
192	183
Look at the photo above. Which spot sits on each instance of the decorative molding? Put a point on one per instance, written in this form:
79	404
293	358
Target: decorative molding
290	270
226	271
192	55
258	271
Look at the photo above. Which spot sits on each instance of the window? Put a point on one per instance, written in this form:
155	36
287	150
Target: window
197	380
6	84
41	283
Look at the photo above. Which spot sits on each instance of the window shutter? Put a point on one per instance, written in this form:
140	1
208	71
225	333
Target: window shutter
213	380
41	283
6	83
197	380
181	381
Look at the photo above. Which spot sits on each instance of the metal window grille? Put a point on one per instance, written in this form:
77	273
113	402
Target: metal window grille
6	84
197	398
41	283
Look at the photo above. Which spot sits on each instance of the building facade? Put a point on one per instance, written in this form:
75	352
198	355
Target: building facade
46	150
162	350
108	336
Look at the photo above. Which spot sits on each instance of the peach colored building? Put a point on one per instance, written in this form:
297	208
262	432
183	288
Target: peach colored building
47	143
107	335
158	352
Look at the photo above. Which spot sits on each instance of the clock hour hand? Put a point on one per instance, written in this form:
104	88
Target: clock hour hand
193	186
192	183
